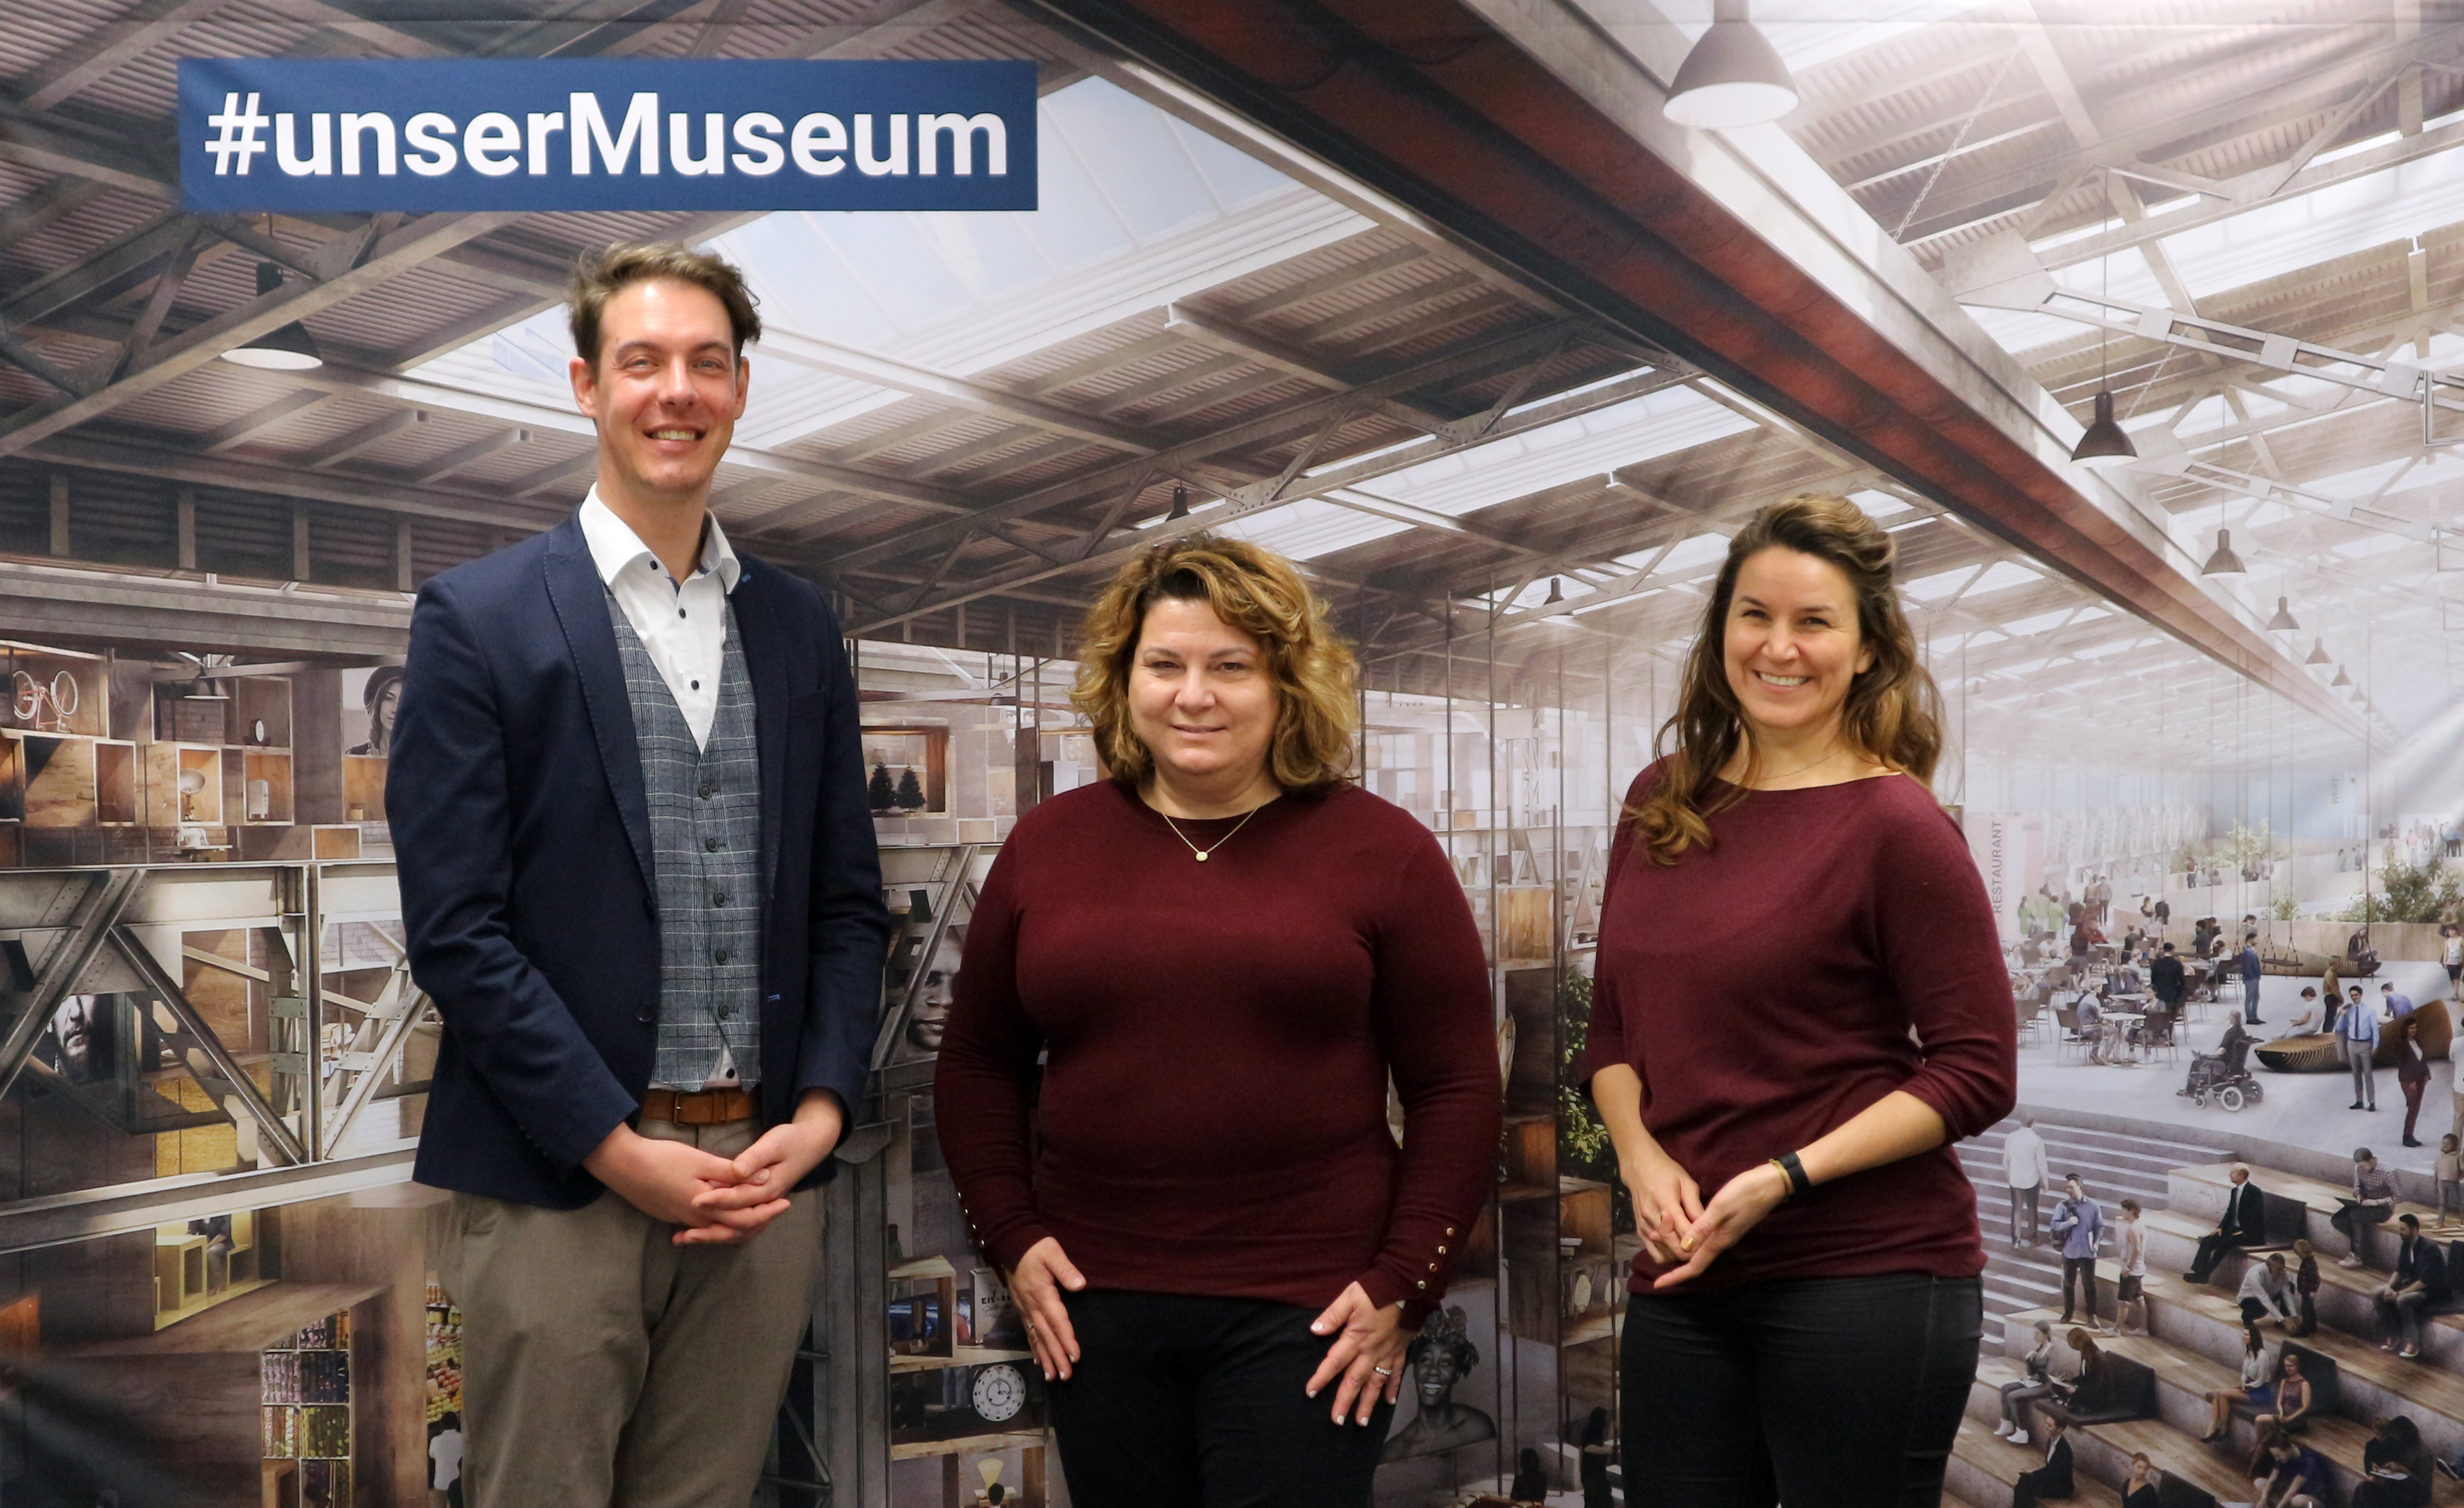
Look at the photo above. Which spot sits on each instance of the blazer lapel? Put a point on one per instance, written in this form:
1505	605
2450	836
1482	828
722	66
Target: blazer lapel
581	602
756	627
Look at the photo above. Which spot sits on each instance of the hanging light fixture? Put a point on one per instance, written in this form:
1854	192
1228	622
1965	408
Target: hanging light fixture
2103	445
1179	504
2318	655
286	349
2283	621
1555	596
1732	76
2341	680
2223	561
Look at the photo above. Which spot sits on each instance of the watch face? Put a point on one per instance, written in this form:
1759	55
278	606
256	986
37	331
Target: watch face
999	1393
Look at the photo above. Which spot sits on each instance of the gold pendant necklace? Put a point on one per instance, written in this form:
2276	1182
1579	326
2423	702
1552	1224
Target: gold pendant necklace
1202	852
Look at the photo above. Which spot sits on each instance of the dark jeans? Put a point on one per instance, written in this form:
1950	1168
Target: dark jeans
1821	1392
2079	1270
2214	1248
1184	1401
2249	999
2352	1219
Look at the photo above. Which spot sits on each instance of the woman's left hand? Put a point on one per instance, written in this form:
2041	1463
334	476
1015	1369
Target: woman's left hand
1736	1209
1367	1352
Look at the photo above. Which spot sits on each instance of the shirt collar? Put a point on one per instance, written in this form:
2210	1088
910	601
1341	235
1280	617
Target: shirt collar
614	546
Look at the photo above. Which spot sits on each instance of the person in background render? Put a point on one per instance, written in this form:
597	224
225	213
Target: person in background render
1530	1483
2130	1298
2250	974
2393	1003
2373	1204
2254	1387
2079	1225
2417	1289
2244	1223
2286	1473
2036	1381
2397	1467
2167	981
2296	1403
2139	1489
2024	1170
2357	1032
1596	1455
2266	1287
2448	1171
2052	1479
2305	1284
2411	1071
2450	951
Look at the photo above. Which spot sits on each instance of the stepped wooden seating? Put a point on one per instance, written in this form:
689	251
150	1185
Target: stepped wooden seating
2196	1348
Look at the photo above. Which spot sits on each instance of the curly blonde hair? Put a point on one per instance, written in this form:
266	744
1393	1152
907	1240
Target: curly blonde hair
1257	591
1892	715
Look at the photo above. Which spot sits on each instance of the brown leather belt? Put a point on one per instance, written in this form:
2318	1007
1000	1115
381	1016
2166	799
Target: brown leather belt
702	1108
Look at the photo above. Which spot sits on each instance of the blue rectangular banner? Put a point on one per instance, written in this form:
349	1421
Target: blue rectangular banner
310	135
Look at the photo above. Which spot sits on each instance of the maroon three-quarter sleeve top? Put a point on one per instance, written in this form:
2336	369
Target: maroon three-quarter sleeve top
1212	1117
1766	990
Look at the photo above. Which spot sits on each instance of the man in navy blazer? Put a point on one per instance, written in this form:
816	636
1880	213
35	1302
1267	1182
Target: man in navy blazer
639	884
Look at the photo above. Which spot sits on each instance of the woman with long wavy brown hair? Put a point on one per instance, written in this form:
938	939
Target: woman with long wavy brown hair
1219	955
1800	1003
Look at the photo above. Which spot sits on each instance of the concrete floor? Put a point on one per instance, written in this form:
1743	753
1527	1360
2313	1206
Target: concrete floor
2300	1109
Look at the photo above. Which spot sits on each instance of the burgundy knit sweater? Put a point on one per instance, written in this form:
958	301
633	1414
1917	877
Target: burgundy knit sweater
1766	989
1212	1116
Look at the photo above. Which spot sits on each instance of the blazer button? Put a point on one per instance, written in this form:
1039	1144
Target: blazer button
709	845
648	1015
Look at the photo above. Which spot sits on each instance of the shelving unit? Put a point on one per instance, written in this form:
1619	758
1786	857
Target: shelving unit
444	1353
308	1425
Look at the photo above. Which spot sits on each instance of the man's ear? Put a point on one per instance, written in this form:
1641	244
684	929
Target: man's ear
585	385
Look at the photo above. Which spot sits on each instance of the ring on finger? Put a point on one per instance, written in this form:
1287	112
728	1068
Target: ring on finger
1383	1371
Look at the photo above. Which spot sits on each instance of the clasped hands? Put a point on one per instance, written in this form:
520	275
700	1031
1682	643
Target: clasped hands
1677	1226
718	1201
1370	1339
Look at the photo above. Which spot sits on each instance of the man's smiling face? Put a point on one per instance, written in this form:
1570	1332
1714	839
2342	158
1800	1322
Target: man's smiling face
667	390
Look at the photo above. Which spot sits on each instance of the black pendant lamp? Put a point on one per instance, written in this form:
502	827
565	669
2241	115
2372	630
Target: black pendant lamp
1179	504
2104	444
286	349
2223	561
1556	595
1732	76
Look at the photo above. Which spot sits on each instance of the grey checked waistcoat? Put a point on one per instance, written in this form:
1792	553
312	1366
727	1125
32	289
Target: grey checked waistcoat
706	847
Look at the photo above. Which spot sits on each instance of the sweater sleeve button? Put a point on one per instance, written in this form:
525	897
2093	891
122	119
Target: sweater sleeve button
646	1015
1423	1284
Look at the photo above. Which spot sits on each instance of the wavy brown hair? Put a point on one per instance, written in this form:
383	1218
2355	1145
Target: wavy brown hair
1893	714
1257	591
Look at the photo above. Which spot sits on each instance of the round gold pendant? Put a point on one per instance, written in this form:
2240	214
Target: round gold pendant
1202	856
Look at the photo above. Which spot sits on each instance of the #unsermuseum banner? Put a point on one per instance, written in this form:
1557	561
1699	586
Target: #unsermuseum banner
312	135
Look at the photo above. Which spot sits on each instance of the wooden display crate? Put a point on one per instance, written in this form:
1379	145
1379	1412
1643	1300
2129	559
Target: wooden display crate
116	767
263	778
48	781
168	768
53	691
260	711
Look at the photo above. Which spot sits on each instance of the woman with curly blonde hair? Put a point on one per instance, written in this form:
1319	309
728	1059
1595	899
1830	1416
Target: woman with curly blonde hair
1800	1004
1221	955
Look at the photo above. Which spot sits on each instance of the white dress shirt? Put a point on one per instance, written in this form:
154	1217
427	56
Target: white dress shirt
683	625
2023	1160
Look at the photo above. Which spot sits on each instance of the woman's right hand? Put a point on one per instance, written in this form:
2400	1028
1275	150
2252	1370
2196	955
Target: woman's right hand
1035	1286
1667	1201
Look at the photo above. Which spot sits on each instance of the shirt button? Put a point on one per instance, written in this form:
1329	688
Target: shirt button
1433	1267
681	613
708	790
1422	1284
727	1012
1450	1230
711	846
719	957
697	686
1441	1251
720	899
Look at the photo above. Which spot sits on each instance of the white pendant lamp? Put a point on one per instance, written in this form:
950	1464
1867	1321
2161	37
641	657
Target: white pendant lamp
1733	77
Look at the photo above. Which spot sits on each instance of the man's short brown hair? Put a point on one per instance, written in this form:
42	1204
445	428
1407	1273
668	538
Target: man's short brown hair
598	275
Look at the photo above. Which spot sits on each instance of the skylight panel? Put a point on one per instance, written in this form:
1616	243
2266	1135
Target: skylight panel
1935	588
2355	148
1880	505
2001	574
1693	554
1235	177
2125	274
2038	622
1140	168
1310	528
2393	204
2363	546
2019	332
2208	413
1638	430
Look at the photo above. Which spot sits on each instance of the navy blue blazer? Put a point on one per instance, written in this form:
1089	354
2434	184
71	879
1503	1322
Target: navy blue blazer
521	834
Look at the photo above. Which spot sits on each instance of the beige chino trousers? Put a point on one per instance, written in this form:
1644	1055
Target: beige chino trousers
603	1366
